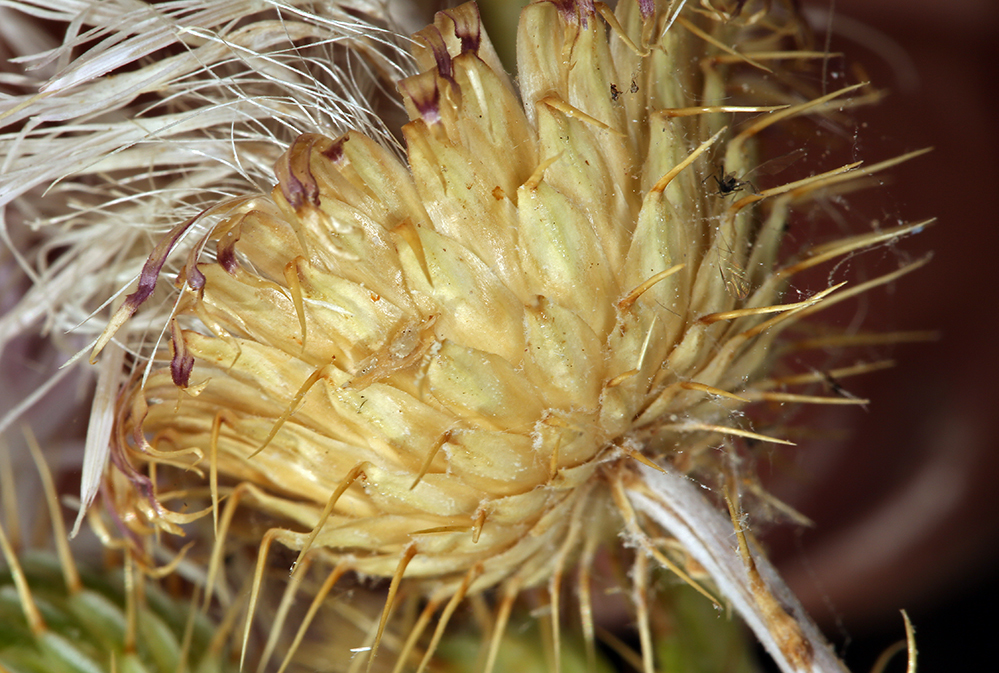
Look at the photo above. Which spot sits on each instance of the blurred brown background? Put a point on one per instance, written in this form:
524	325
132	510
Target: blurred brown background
906	512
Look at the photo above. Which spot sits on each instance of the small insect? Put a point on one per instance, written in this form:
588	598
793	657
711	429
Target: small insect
835	386
617	93
734	276
734	279
838	389
728	184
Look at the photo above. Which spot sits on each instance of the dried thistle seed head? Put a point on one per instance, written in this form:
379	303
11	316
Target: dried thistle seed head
456	347
449	370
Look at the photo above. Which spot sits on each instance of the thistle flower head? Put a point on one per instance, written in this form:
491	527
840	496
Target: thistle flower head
468	366
451	353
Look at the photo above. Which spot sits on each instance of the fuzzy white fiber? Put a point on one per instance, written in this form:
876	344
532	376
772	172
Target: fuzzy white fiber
140	116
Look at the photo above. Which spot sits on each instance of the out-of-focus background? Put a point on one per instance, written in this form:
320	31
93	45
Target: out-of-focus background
906	509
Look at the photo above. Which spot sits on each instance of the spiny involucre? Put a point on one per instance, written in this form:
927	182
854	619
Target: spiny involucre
469	367
58	617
